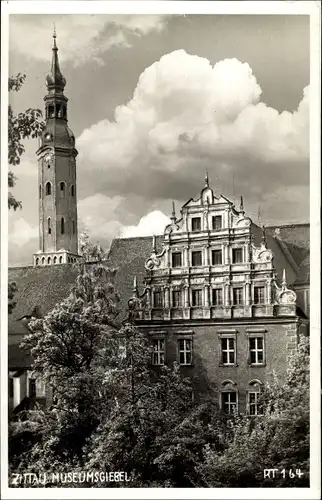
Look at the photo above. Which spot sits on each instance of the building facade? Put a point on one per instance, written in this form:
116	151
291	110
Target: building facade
58	239
211	292
213	301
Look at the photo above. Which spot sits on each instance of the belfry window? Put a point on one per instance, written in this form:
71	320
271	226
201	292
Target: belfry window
49	225
48	188
62	225
62	189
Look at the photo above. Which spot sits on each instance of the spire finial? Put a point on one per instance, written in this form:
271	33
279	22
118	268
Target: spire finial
173	215
241	204
153	244
135	287
284	282
206	179
54	36
264	236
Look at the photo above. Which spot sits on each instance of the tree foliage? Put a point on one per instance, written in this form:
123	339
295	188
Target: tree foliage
277	440
112	411
21	126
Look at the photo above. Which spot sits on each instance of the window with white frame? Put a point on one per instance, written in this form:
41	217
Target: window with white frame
229	402
176	298
196	298
158	299
217	298
237	254
254	405
217	222
237	296
196	223
228	351
176	259
259	294
185	351
216	257
158	353
196	258
256	350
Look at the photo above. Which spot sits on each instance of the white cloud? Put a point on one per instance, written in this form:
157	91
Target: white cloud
184	108
21	232
98	216
152	223
82	37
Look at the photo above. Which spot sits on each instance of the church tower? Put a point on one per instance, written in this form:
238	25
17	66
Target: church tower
58	240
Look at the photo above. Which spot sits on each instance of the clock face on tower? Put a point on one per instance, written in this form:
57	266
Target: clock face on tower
48	157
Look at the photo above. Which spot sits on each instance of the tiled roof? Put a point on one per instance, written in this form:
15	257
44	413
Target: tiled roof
38	287
296	237
44	287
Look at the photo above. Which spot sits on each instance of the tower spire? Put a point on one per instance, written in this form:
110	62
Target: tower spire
55	79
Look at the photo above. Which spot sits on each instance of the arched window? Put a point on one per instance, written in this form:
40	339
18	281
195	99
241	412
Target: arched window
62	189
55	260
37	261
73	227
43	261
49	225
68	259
72	190
49	261
40	191
48	188
60	260
62	225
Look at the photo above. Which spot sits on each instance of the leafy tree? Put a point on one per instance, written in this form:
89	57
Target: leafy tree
12	288
70	348
25	125
278	439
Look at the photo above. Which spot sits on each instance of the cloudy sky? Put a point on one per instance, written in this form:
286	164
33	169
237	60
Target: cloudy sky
154	101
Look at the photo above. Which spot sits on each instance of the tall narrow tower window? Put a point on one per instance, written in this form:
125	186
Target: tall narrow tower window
49	225
62	189
72	190
48	188
62	225
40	191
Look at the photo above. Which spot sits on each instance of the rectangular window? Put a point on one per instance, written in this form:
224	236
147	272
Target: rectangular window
196	223
158	352
196	296
196	258
216	257
176	259
217	297
185	351
259	295
229	402
217	222
254	407
176	298
237	296
228	351
256	350
237	255
158	299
